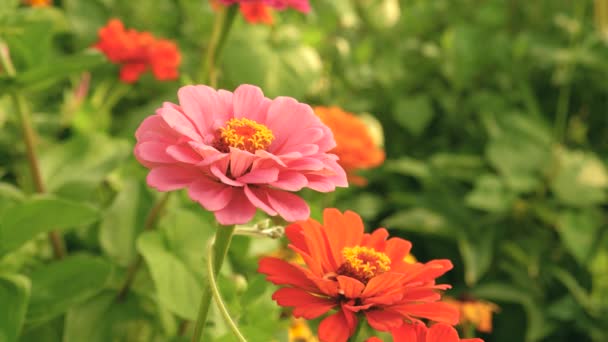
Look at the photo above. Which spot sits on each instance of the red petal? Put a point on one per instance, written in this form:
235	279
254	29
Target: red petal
336	328
280	272
442	333
342	231
438	312
386	282
383	320
350	287
410	333
305	304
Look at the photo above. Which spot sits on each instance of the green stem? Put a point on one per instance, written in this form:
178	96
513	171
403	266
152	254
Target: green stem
116	94
223	236
218	297
149	224
221	28
357	333
29	137
468	330
561	119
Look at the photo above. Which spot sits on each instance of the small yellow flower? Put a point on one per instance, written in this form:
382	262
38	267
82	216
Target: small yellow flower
475	312
299	331
410	259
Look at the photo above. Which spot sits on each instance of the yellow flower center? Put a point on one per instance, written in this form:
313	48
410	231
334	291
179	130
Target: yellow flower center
363	263
244	134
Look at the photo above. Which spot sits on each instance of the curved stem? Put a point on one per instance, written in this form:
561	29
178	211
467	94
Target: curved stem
149	224
223	236
221	27
217	296
29	136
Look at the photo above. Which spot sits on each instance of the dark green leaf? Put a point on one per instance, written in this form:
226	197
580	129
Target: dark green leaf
58	286
14	296
38	215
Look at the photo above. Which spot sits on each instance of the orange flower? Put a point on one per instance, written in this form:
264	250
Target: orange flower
436	333
38	3
355	145
476	312
359	275
138	52
256	13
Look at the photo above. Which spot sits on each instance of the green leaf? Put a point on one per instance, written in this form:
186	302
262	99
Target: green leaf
419	220
14	296
46	74
93	156
414	113
282	67
477	254
38	215
58	286
490	194
103	318
578	232
538	327
581	179
177	288
578	292
408	167
124	220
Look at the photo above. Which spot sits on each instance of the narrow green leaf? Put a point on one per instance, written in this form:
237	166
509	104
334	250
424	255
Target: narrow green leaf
14	296
38	215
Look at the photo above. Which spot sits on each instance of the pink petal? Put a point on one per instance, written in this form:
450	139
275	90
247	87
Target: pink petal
240	161
211	195
222	176
172	177
259	198
289	206
290	181
184	154
238	211
260	176
179	123
153	152
201	104
249	102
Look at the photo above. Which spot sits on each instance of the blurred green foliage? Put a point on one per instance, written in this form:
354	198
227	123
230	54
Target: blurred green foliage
495	132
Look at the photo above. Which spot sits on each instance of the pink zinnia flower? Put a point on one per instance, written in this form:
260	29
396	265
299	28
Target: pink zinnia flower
299	5
238	152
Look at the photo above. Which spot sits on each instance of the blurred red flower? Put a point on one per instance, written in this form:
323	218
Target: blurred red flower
257	13
359	275
137	52
299	5
38	3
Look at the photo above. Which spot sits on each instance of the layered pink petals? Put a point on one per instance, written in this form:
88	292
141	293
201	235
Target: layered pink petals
183	148
388	291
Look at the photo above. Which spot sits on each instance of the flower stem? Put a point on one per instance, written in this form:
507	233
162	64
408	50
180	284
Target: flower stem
29	137
221	28
217	296
223	236
149	224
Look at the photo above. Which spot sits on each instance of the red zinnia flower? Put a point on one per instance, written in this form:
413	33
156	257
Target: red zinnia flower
354	272
436	333
299	5
138	52
257	13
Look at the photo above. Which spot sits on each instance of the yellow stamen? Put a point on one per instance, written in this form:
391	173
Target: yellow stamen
246	134
363	263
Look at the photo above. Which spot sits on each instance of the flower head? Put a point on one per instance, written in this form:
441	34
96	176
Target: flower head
38	3
299	5
257	12
352	272
475	312
236	152
439	332
137	52
355	145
